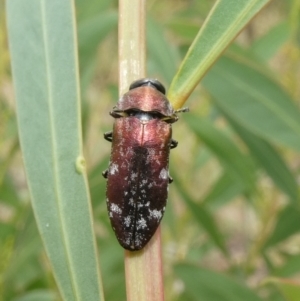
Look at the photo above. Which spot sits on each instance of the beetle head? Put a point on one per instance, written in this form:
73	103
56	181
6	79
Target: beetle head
148	82
146	95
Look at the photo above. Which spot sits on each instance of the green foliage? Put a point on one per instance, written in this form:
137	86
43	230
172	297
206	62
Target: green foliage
47	94
232	221
206	285
225	21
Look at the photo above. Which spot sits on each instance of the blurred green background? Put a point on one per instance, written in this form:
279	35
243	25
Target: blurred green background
233	209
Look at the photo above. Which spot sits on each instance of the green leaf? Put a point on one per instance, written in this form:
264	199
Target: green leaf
290	266
254	100
206	220
8	190
287	224
270	160
23	266
42	39
90	34
290	288
184	27
202	216
162	57
86	10
226	19
205	285
38	295
225	189
268	45
225	150
97	183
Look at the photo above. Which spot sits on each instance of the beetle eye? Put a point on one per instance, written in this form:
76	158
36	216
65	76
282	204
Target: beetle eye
148	82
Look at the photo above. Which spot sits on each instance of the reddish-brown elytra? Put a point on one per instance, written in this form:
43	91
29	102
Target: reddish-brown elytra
138	176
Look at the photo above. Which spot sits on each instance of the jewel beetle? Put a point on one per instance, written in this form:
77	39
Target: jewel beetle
138	176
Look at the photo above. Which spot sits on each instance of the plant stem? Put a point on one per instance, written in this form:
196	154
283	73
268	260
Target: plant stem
132	54
143	269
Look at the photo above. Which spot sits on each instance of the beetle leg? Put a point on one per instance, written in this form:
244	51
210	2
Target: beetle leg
170	119
108	136
182	110
105	173
118	113
173	144
170	179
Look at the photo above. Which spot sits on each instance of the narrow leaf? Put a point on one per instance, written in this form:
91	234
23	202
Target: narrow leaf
224	190
268	45
205	285
254	100
24	267
206	220
226	19
290	267
225	150
270	160
202	217
43	48
163	57
287	224
90	34
37	295
290	288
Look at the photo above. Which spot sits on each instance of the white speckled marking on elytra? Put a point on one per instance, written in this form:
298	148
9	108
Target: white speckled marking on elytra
163	174
143	182
127	221
155	214
138	239
133	176
115	208
141	224
114	168
127	241
140	205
